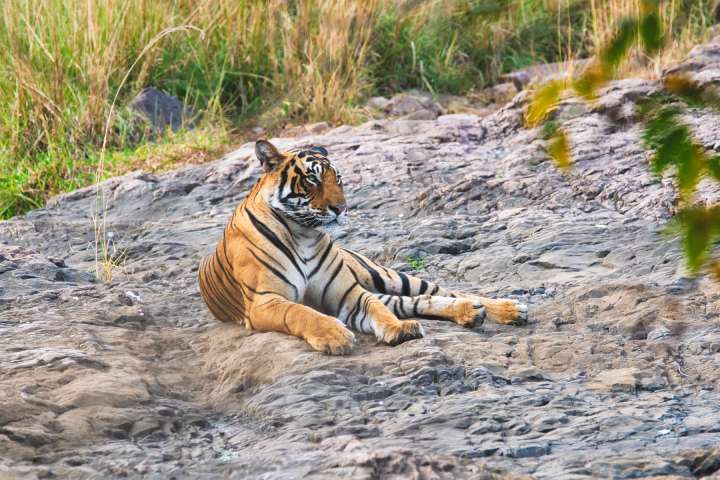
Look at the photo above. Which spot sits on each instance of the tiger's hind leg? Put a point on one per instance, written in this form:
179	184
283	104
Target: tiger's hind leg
505	311
379	279
463	311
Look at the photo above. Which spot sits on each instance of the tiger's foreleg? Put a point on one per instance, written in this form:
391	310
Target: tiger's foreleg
323	332
363	312
463	311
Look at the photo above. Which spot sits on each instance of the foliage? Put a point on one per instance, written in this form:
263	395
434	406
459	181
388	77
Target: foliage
62	62
417	263
665	132
249	62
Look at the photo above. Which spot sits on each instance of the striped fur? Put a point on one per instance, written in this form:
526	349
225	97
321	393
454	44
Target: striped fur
274	269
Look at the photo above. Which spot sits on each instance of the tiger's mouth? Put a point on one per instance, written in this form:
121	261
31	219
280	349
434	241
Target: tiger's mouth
315	219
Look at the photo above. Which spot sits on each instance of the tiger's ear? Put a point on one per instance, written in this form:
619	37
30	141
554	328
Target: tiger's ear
320	150
268	155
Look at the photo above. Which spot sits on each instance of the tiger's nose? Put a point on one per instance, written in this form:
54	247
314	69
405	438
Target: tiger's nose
338	209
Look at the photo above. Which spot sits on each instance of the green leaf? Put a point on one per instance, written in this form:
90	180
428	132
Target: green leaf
690	164
559	150
661	124
591	80
651	33
686	88
699	227
549	128
543	102
617	49
712	165
674	146
691	92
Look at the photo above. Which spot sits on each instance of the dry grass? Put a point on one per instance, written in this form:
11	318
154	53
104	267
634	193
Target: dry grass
279	62
686	22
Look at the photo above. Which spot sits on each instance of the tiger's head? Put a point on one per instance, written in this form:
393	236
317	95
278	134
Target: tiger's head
302	185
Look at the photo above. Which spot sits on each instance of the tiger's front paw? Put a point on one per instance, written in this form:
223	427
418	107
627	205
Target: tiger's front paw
401	331
334	340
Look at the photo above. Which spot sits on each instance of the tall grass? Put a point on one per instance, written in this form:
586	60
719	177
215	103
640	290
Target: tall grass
686	21
257	61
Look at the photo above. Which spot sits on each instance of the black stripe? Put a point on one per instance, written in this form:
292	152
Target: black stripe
435	290
322	259
270	235
275	271
405	284
280	219
209	292
225	272
327	285
285	319
423	287
402	306
221	293
378	282
344	297
260	292
415	307
354	313
270	257
283	178
366	317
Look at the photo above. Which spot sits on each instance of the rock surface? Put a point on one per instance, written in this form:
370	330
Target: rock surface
161	110
616	376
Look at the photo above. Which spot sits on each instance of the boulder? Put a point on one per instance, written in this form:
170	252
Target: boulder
617	375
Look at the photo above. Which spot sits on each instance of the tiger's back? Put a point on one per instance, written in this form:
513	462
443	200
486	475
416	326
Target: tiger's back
274	269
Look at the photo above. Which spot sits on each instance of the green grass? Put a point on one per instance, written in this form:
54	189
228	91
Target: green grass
246	63
417	263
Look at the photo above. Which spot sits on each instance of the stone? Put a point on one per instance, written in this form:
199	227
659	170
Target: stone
413	105
161	110
617	374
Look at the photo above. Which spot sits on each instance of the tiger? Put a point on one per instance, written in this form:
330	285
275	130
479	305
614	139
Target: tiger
276	268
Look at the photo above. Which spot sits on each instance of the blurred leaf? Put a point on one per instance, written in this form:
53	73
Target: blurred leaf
592	79
559	150
543	102
617	49
661	122
700	227
651	33
604	68
649	6
691	92
684	87
549	128
712	165
489	7
714	269
690	165
674	146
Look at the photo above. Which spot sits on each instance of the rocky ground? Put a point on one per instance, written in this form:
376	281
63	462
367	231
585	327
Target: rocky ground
617	374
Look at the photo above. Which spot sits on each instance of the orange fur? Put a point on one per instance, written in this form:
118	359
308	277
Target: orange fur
274	270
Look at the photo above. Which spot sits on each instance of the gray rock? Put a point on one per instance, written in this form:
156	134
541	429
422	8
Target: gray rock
616	376
161	110
412	105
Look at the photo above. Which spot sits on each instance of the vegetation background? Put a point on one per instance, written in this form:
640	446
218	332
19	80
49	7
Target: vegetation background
67	67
